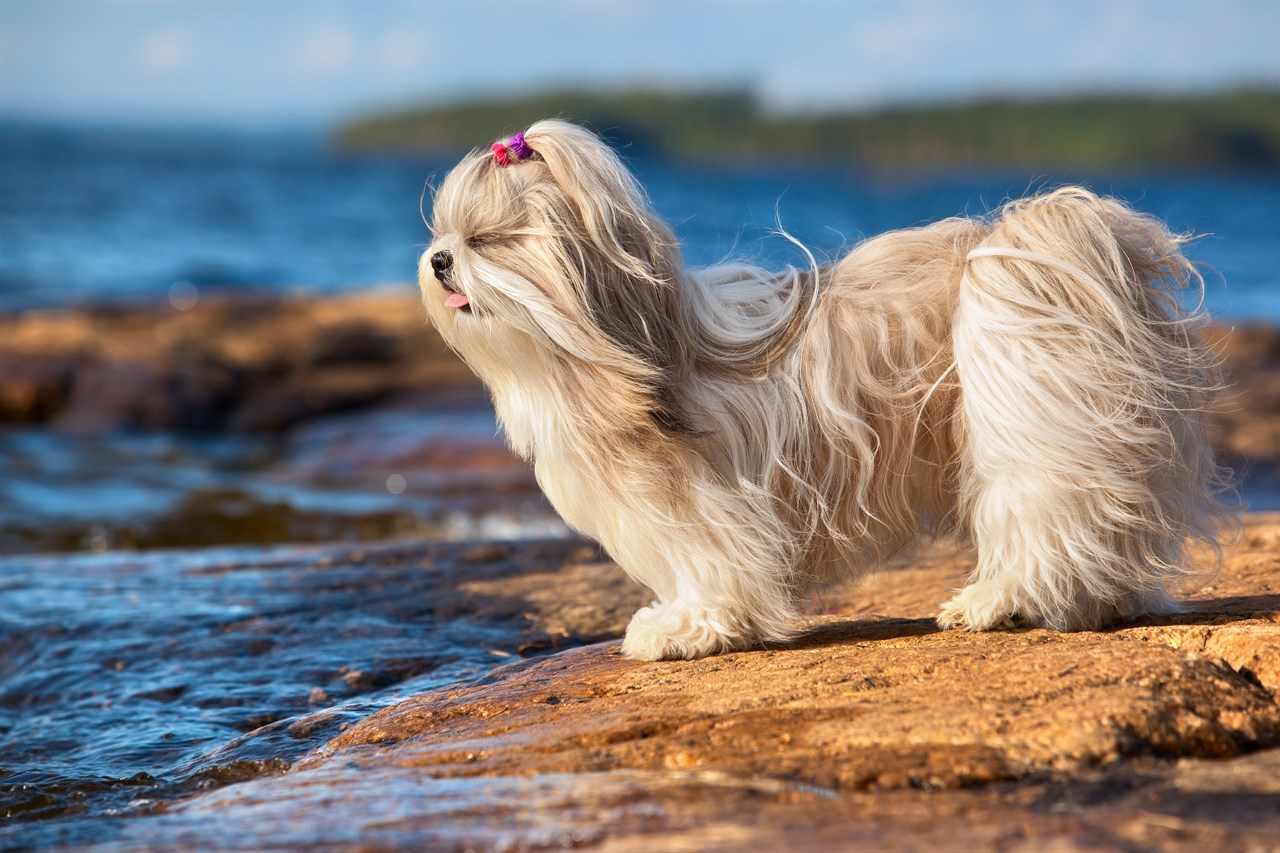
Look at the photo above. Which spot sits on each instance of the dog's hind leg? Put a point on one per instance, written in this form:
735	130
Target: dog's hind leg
1086	468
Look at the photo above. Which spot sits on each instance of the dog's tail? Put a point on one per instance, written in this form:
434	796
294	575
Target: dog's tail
1083	382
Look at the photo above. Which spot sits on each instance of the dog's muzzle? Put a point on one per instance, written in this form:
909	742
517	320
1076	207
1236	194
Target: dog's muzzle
440	263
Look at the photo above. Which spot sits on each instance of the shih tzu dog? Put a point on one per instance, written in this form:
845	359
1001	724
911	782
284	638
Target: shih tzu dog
736	437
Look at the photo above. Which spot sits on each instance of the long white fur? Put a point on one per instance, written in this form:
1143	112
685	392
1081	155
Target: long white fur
736	437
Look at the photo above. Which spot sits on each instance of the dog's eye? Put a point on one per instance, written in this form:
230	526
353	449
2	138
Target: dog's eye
476	241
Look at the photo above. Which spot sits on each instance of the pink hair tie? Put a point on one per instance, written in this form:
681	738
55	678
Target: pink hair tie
500	154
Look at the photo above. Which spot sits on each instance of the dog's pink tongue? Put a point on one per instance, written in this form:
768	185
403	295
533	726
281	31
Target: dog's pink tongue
456	300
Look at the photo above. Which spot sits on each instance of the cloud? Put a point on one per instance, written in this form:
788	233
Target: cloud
328	49
165	49
402	49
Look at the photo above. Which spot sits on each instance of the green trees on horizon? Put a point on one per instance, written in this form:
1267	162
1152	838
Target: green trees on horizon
1235	129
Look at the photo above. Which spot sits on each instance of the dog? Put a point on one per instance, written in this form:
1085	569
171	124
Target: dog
736	438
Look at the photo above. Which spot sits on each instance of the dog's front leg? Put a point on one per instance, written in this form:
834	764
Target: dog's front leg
683	628
722	581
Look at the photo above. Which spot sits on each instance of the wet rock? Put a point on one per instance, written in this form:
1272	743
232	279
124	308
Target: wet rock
355	342
1245	420
1142	807
33	387
132	679
192	393
254	363
871	730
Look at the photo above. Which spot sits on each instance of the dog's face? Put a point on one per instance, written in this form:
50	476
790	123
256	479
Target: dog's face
490	271
555	259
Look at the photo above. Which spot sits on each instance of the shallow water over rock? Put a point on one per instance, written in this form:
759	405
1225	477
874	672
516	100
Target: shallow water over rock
128	680
400	471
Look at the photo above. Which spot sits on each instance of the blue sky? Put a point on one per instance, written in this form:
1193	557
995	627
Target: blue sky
285	63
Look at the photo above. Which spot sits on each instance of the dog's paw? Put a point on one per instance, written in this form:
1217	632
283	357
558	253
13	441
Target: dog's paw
673	632
980	606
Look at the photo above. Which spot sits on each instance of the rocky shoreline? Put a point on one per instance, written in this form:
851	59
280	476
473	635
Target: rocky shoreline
871	729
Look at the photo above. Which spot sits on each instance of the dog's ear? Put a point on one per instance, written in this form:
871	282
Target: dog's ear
629	261
612	208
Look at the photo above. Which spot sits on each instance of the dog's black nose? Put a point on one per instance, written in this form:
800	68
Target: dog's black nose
440	262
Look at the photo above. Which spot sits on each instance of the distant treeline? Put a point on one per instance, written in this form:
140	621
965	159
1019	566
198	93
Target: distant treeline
1237	129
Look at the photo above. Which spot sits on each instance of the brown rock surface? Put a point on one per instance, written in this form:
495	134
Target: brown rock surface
257	364
872	729
1245	422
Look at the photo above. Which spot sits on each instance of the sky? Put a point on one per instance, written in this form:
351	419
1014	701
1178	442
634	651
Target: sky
286	64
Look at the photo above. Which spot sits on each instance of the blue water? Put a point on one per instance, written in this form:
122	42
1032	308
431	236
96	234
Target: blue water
129	680
123	215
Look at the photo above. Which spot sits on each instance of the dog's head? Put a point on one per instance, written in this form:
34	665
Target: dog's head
545	248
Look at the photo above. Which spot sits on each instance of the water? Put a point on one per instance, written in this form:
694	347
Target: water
92	216
130	678
357	476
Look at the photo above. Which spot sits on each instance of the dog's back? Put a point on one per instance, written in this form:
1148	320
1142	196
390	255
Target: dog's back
877	364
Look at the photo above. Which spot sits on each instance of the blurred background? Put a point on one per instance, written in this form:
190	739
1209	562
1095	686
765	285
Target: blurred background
181	181
211	338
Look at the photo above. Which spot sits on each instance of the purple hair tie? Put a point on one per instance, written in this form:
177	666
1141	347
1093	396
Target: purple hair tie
519	147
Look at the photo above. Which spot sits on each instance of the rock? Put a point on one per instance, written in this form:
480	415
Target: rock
33	387
871	730
1190	806
279	405
1246	347
849	706
261	364
1245	420
192	393
354	342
